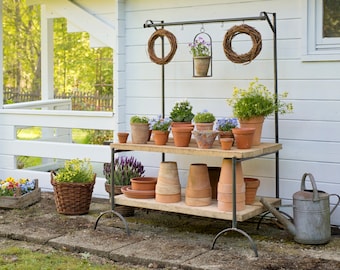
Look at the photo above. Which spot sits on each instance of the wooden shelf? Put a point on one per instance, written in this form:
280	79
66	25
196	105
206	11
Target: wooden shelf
215	151
210	211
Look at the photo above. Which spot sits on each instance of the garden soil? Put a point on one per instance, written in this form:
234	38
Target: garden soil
160	240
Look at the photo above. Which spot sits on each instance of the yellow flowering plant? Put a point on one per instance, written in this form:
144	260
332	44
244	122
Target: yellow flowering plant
257	100
75	171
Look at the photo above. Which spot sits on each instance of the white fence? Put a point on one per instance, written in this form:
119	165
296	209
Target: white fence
57	121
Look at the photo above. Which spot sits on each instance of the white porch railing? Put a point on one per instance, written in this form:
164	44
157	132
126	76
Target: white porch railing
57	121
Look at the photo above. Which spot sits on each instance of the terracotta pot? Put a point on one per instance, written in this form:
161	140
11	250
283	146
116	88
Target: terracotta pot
168	187
226	175
252	185
138	194
205	138
226	143
122	137
243	137
182	135
225	197
160	137
257	123
204	126
198	189
140	133
143	183
225	134
201	66
214	175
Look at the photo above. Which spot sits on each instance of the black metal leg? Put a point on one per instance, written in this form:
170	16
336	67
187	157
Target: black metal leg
112	211
253	245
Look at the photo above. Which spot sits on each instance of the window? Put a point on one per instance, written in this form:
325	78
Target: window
323	30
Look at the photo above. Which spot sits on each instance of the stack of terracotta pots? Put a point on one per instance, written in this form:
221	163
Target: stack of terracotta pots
168	187
225	187
198	190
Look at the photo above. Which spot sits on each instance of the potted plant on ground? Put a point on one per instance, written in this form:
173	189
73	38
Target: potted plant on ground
73	187
140	130
160	130
182	115
204	120
201	52
252	105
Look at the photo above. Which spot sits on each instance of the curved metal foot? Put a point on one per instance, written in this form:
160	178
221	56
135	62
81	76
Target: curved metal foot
266	213
118	215
253	245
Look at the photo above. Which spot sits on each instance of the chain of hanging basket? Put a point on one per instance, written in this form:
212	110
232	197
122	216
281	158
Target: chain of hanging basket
246	57
151	43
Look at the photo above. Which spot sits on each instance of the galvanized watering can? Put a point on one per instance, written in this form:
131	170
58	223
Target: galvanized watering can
311	213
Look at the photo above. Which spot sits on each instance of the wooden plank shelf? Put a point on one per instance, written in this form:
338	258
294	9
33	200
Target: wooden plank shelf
209	211
192	149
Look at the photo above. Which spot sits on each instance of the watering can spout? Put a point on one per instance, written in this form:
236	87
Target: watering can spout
285	222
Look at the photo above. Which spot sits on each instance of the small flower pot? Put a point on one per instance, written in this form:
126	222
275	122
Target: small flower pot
205	138
226	143
143	183
160	137
122	137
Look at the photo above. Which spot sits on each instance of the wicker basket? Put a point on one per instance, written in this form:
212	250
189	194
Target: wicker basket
72	198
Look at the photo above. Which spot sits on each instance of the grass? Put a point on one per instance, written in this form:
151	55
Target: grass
16	258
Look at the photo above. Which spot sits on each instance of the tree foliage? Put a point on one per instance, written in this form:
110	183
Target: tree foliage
77	67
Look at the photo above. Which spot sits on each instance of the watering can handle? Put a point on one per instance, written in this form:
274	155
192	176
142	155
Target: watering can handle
315	190
336	203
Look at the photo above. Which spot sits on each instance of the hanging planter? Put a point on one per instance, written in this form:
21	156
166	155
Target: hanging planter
202	55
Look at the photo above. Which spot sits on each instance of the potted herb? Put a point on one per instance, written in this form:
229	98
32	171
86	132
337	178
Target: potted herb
125	168
182	112
224	127
160	130
252	105
204	120
200	49
73	187
182	115
140	130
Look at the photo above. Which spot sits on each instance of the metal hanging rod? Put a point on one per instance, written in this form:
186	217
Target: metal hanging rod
262	16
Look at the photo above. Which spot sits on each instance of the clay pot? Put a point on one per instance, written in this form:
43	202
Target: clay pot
201	65
168	187
143	183
226	174
160	137
252	185
182	135
225	134
198	189
257	123
243	137
226	143
122	137
204	126
140	133
205	138
214	175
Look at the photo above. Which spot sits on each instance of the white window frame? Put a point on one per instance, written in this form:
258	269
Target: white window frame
316	47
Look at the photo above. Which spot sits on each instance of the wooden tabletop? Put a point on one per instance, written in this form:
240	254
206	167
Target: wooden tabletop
192	149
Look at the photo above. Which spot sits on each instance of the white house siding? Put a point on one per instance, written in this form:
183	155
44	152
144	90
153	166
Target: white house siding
310	135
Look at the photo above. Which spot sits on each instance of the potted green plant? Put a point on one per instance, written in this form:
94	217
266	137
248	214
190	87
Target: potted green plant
160	130
252	105
124	168
73	187
201	52
140	130
204	120
182	115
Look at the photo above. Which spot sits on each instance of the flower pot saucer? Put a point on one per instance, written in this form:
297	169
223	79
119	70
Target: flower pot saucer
138	194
